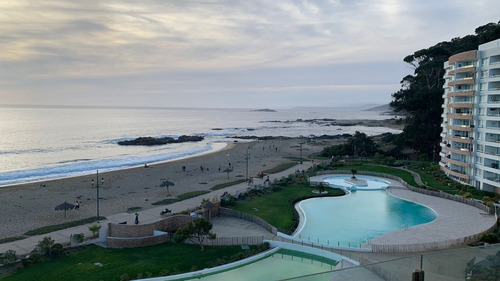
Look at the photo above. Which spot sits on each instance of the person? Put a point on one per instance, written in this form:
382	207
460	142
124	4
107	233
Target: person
77	205
136	220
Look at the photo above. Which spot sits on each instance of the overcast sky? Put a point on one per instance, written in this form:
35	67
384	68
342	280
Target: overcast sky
238	53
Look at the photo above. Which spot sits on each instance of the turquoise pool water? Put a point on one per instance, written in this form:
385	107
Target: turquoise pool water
354	219
280	265
344	181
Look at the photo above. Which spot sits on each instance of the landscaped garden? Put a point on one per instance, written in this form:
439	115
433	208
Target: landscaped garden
97	263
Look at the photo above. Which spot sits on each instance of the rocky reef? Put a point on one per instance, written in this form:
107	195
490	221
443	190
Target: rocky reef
160	141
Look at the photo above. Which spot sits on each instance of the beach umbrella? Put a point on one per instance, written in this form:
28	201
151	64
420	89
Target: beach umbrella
65	206
228	170
167	184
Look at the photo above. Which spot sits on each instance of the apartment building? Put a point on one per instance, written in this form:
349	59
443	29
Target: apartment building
470	141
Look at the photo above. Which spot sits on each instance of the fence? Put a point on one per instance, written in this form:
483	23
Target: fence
248	217
231	241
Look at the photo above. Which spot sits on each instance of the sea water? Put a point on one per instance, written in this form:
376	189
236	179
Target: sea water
40	143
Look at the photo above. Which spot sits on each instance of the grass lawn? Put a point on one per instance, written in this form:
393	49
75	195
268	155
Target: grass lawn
153	261
406	176
276	208
52	228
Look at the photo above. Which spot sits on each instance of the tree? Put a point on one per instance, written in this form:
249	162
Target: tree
420	98
196	231
353	172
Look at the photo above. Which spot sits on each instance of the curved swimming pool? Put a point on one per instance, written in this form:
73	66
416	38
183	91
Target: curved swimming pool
357	218
281	264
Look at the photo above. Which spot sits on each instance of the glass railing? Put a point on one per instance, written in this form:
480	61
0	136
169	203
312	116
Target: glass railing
472	263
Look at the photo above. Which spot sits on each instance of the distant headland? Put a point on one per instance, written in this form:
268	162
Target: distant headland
264	110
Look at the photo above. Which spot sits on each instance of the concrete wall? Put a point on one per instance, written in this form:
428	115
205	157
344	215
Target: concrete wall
140	235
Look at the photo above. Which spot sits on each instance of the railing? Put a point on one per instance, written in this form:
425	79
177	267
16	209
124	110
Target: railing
231	241
248	217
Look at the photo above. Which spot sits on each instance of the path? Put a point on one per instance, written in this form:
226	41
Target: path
26	245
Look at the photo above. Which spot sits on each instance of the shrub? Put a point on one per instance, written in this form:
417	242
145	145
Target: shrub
9	257
45	245
78	238
56	250
467	195
31	259
94	229
124	277
489	237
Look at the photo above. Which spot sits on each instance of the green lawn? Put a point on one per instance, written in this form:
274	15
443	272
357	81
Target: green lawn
153	261
276	207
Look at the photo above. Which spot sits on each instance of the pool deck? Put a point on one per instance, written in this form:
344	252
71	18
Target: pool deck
454	220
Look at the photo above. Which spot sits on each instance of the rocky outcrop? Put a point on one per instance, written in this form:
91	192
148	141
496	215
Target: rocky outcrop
160	141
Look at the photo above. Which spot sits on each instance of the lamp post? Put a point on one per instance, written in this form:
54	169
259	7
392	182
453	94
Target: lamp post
97	189
301	152
246	158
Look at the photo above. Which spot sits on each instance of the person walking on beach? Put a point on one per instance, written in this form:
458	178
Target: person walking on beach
136	220
77	205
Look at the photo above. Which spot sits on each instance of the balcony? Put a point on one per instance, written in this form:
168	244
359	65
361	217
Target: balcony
459	139
456	162
466	93
460	105
462	81
462	128
465	69
462	151
465	116
457	174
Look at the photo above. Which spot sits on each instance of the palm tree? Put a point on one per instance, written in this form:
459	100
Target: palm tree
353	172
167	184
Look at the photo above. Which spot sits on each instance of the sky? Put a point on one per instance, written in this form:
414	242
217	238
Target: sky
238	53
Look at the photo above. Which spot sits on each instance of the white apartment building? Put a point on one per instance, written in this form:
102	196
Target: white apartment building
470	144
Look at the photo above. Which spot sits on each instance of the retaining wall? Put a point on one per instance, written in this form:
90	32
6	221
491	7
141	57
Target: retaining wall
140	235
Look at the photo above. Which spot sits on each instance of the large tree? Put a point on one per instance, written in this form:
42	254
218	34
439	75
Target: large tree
420	96
195	230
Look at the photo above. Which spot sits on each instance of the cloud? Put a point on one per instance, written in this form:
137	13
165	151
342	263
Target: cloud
106	41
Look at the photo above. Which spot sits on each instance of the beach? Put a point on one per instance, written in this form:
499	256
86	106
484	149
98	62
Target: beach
29	206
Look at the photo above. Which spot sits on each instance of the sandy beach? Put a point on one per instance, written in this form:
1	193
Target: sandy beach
30	206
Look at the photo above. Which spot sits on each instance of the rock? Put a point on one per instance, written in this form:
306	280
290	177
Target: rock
160	141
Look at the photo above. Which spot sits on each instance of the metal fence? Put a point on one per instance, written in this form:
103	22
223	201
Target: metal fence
231	241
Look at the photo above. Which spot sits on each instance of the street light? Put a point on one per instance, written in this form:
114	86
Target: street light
246	158
301	152
97	188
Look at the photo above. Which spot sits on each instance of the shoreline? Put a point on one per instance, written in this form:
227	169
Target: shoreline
28	206
213	150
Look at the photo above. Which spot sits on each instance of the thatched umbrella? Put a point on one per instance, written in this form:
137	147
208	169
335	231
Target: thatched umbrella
228	170
167	184
65	206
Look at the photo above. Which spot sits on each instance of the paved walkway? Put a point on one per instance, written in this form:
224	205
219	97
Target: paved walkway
26	245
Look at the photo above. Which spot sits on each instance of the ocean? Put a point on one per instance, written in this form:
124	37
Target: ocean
42	143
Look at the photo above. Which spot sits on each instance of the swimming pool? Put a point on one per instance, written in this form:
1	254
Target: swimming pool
279	265
355	219
359	182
